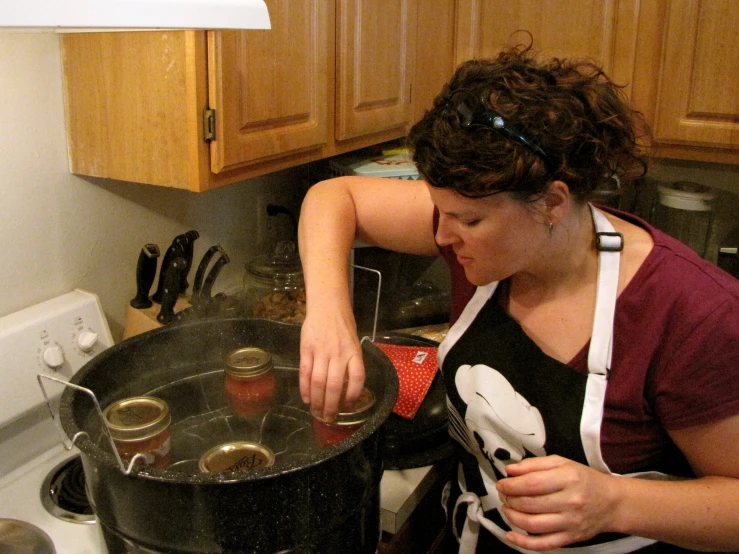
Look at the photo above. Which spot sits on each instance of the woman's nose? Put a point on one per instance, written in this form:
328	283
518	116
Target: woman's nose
444	235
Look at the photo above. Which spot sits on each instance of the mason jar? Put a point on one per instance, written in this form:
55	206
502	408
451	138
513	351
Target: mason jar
349	418
250	381
141	425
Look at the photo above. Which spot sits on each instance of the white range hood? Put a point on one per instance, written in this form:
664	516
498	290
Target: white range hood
61	15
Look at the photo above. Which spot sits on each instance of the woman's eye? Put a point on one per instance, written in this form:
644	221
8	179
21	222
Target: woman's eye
471	222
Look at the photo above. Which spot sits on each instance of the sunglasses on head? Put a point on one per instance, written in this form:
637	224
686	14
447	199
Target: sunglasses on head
473	110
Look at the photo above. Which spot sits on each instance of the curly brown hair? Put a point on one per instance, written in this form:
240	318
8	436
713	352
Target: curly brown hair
576	126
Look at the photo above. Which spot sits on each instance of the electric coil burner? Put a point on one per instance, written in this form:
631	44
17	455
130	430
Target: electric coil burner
63	493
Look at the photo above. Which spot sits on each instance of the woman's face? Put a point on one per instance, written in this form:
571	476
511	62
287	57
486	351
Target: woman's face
493	237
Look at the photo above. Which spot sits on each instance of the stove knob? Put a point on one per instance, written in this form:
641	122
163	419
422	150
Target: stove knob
86	340
54	357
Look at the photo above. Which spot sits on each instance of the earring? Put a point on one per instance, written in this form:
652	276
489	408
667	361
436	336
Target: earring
551	228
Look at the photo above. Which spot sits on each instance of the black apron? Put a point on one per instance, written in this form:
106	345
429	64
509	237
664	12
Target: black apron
508	400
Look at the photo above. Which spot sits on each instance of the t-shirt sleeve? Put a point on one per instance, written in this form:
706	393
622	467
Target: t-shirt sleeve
698	382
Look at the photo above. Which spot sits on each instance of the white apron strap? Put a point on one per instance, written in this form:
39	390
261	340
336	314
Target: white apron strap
476	303
609	244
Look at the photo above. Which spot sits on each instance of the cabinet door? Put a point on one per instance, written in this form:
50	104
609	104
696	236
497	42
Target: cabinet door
375	46
563	28
270	88
434	52
698	98
133	103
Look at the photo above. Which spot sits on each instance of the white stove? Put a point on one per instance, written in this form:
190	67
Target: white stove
54	338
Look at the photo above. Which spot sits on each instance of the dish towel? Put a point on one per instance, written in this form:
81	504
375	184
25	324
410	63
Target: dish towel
416	367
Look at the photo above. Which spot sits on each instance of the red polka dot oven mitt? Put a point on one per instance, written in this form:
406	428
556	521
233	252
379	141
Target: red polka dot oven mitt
416	366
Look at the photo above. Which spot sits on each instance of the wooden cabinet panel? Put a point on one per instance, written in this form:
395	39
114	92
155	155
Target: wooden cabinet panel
375	51
698	98
270	88
565	28
435	61
136	117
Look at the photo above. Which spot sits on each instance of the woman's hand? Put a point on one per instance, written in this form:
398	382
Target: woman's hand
330	355
557	501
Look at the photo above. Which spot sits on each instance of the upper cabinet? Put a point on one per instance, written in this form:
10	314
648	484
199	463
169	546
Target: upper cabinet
565	28
197	110
678	58
270	90
686	76
375	55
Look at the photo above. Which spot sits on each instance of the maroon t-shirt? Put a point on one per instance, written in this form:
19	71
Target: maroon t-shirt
675	356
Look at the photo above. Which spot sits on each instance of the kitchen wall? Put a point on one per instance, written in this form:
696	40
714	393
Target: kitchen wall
59	231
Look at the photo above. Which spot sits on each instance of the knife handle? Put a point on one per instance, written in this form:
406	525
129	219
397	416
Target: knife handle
171	290
189	249
197	285
175	250
205	292
146	269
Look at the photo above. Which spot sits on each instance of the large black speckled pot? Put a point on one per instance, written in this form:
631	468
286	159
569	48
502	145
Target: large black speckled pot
323	500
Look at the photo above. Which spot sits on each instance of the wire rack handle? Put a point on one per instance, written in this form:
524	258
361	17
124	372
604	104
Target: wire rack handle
377	299
70	444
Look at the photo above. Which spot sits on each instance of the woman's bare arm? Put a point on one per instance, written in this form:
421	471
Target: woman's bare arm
393	214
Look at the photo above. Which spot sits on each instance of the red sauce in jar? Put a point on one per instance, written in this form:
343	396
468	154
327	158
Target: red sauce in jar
328	434
348	420
140	425
155	448
250	382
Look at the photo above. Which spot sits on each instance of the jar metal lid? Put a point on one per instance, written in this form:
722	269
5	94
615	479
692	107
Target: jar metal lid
236	456
137	418
354	413
248	362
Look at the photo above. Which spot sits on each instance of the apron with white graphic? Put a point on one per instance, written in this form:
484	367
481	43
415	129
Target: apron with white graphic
508	400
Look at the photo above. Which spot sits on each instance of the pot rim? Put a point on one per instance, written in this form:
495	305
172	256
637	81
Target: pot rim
84	443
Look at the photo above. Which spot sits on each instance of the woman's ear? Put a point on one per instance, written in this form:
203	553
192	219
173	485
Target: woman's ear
557	200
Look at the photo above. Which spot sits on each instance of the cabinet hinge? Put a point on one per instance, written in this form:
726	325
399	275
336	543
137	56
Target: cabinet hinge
209	124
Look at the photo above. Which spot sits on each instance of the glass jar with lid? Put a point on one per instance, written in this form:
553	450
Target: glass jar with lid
250	381
349	419
274	287
140	425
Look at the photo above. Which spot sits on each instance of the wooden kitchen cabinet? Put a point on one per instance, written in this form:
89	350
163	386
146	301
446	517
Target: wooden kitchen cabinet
435	53
564	28
679	59
197	110
376	41
686	77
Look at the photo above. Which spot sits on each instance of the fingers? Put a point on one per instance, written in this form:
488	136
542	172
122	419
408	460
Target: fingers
555	500
334	386
537	463
305	373
540	543
355	373
330	367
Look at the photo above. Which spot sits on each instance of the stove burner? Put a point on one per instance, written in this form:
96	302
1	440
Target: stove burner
63	493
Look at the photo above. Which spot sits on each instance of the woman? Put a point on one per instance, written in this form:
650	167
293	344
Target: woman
591	368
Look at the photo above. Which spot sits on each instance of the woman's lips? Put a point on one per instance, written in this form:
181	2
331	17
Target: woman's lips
463	260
